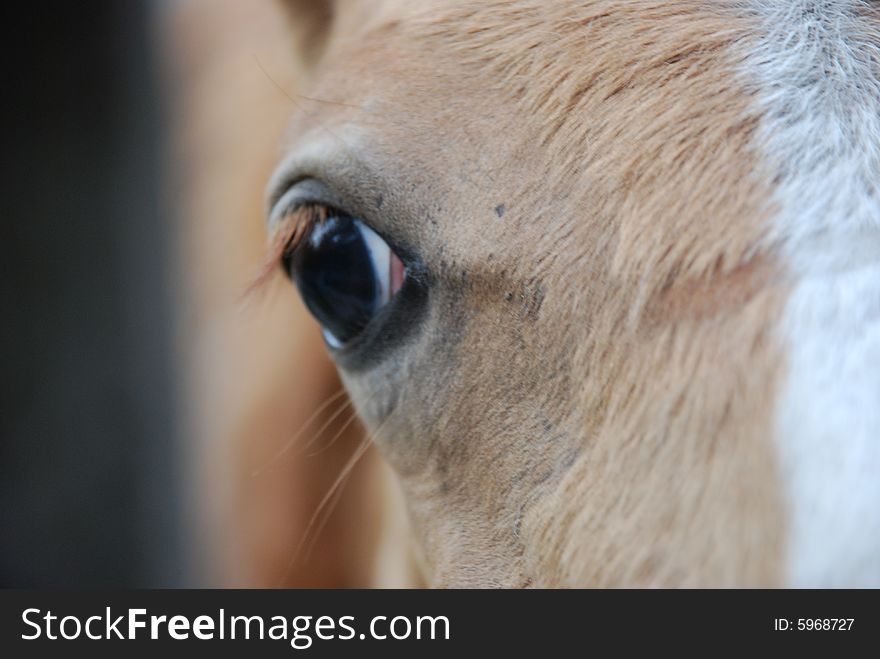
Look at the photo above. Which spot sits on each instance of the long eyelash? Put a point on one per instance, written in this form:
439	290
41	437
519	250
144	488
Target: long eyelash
293	228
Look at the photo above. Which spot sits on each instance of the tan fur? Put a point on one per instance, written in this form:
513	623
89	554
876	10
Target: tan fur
597	426
588	400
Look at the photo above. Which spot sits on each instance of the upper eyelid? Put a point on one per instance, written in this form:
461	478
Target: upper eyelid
322	156
322	171
345	186
300	193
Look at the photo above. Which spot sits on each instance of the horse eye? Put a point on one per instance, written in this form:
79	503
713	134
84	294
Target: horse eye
345	274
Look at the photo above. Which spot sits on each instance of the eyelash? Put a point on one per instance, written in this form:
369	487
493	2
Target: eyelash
293	227
296	224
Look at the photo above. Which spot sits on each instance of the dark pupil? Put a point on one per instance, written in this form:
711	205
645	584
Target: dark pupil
335	276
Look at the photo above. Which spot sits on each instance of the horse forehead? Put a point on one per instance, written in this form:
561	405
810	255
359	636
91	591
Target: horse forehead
584	83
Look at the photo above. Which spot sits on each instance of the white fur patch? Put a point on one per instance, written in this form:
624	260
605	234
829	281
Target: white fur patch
816	73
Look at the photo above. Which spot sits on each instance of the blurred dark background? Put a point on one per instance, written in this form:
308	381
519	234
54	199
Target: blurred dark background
89	466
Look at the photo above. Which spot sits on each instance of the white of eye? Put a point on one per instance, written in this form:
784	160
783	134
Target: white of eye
331	340
380	254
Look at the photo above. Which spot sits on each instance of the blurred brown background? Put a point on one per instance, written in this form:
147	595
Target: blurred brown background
147	401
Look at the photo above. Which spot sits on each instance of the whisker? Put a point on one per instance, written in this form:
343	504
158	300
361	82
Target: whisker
338	434
330	500
296	437
328	102
274	82
348	422
338	487
302	96
333	493
317	436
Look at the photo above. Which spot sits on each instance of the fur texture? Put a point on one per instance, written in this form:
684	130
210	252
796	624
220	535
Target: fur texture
815	67
591	398
650	230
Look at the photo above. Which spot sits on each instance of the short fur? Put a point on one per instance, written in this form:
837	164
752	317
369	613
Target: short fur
815	68
647	358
